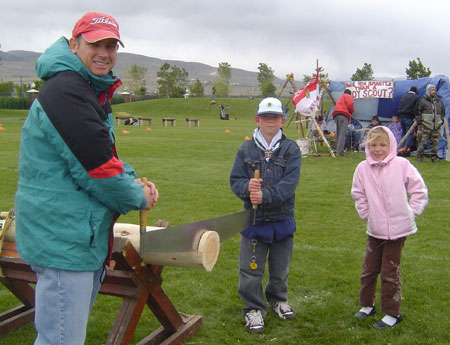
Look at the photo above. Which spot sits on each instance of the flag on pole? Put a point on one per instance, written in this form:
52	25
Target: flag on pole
306	100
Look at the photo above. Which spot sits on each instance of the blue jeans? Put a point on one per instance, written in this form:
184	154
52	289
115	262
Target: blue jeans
250	281
63	302
406	124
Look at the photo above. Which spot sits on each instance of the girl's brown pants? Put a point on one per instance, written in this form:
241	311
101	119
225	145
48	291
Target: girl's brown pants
382	256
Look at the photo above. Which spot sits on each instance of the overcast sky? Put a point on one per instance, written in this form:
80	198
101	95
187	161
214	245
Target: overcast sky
287	35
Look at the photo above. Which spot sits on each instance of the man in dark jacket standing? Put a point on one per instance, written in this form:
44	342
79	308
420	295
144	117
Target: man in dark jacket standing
406	114
72	185
430	118
342	114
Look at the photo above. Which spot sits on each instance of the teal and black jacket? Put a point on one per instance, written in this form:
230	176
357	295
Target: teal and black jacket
72	186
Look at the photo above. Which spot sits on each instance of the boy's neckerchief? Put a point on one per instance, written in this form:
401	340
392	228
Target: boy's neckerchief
262	144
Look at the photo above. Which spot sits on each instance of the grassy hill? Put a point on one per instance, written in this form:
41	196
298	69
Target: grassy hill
242	108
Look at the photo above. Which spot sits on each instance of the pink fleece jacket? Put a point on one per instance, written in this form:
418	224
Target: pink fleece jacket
380	191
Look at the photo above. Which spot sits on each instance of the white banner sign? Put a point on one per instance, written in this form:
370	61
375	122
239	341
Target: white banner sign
371	89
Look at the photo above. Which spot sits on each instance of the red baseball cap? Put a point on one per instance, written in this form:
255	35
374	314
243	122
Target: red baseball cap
95	26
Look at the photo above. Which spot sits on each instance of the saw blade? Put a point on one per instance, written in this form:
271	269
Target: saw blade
185	237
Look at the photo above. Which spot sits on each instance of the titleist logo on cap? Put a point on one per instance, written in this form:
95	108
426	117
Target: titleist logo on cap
103	20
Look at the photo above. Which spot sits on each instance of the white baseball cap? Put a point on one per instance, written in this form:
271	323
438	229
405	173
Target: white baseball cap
270	105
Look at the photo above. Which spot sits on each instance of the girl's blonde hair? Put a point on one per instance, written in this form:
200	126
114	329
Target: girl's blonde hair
376	133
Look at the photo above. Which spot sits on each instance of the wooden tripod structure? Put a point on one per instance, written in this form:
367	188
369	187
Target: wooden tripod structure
299	118
317	127
137	283
290	80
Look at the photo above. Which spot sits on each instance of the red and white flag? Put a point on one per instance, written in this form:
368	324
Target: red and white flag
306	100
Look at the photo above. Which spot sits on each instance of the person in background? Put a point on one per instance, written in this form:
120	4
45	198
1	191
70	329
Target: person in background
396	128
72	186
286	111
320	123
430	113
405	112
374	122
221	111
379	189
213	96
342	114
227	112
353	137
279	160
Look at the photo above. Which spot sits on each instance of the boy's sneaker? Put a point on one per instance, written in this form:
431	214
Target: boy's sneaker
283	310
254	322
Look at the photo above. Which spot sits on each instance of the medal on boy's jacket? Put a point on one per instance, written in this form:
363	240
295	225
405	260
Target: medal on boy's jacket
253	264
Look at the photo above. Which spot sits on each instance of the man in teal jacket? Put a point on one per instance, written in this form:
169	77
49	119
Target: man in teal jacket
72	185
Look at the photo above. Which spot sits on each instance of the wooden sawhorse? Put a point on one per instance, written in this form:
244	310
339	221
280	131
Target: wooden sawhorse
191	120
142	119
172	121
138	284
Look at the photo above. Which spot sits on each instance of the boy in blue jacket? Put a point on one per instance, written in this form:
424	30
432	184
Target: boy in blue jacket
279	160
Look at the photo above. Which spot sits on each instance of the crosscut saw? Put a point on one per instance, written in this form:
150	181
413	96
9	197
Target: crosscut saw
183	238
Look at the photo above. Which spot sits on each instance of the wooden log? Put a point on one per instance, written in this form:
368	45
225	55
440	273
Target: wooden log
400	143
10	232
203	256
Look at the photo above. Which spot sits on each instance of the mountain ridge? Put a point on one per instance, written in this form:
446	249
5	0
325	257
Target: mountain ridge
18	66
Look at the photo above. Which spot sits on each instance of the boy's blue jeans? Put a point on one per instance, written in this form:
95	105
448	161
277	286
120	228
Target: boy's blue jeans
278	256
63	302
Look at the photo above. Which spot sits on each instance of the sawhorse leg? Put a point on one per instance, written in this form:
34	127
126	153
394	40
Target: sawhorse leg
137	283
21	315
147	291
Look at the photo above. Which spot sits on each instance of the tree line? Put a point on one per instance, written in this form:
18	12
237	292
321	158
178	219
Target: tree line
173	81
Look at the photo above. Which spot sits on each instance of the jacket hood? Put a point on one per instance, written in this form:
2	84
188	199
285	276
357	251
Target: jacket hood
429	87
58	57
392	149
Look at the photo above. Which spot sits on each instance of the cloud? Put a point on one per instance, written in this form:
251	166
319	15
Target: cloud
286	35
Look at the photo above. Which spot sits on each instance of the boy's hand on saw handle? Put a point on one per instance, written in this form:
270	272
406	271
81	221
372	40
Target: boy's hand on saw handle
150	191
254	187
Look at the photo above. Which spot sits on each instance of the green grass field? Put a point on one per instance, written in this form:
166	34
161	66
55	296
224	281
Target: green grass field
191	166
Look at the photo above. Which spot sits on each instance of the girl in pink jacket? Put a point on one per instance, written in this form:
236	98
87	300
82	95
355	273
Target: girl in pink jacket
389	193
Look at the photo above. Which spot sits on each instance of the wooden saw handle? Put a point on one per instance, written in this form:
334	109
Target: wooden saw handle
257	177
143	213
